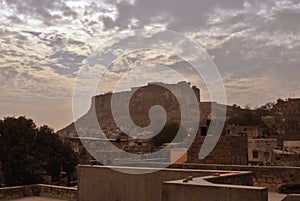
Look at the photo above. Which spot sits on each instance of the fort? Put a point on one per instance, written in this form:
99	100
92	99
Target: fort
141	99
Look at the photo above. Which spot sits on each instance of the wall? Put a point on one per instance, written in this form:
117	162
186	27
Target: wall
197	191
229	150
283	158
264	149
249	131
234	178
265	176
102	183
15	192
178	155
58	192
292	198
291	144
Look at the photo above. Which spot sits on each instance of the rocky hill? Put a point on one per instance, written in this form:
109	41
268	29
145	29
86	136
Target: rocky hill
140	101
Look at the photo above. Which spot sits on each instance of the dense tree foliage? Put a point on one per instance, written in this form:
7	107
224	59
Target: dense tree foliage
254	117
249	117
245	117
28	152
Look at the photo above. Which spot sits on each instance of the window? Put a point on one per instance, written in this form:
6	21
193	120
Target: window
255	154
203	131
266	155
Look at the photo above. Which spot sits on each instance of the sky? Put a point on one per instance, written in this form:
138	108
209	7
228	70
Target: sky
44	43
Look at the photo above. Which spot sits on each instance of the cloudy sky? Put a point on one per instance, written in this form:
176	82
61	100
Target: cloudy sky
255	45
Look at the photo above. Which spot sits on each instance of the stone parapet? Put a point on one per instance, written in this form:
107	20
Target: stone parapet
59	192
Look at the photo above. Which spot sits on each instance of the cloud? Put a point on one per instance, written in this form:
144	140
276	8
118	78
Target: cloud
255	44
41	10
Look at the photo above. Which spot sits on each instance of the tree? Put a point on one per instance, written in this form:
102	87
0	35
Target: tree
19	167
245	117
27	152
56	155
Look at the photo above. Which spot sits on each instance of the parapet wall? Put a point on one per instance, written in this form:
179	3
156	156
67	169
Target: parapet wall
200	190
59	192
270	177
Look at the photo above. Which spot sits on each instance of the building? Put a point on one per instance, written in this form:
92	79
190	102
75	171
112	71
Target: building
260	151
238	130
178	182
287	119
178	155
102	183
228	150
289	155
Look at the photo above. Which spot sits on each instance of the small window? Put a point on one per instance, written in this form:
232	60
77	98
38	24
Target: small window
203	131
266	155
255	154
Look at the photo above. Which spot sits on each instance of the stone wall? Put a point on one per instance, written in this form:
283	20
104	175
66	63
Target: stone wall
59	192
286	159
16	192
229	150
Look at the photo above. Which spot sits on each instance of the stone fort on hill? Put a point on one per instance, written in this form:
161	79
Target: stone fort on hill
140	99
